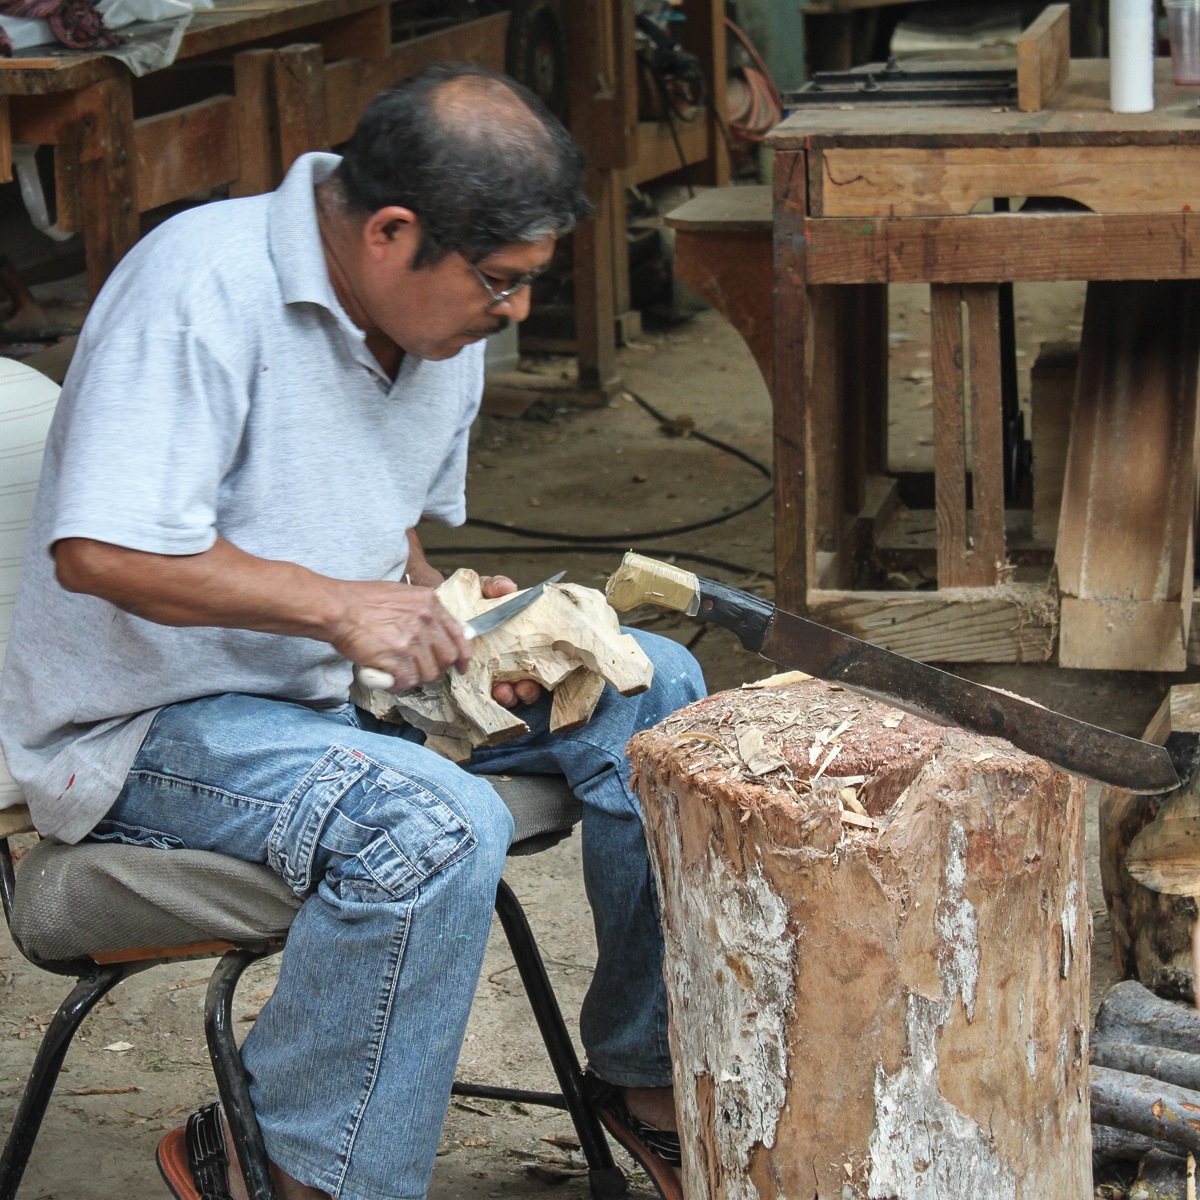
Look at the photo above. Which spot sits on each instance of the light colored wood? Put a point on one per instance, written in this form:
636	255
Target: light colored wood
910	182
987	248
1127	524
656	151
642	580
895	1010
15	820
1043	58
1013	623
565	636
185	151
146	953
740	209
1052	392
966	380
1151	929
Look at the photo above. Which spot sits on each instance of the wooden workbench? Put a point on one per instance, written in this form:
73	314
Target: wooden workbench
267	80
869	197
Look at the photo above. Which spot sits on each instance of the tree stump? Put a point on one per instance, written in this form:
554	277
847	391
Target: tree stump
877	952
1151	929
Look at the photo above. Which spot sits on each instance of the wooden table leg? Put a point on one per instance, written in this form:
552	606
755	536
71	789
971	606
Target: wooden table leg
258	148
595	330
865	387
966	376
108	178
300	102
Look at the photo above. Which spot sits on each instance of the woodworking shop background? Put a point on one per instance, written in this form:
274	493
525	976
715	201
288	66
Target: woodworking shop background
606	473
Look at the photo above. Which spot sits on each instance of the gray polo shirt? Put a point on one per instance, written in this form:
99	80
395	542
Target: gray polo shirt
218	388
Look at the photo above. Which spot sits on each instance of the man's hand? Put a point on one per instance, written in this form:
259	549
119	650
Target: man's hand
524	691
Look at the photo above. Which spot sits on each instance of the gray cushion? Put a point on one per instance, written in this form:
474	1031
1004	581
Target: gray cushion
95	898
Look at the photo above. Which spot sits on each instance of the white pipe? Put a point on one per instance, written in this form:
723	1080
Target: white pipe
1131	55
24	158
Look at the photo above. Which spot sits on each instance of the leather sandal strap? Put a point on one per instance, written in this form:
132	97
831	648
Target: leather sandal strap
663	1142
207	1155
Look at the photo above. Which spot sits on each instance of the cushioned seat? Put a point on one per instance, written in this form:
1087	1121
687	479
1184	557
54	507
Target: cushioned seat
95	898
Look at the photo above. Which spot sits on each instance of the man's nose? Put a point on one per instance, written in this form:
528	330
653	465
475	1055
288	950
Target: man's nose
516	306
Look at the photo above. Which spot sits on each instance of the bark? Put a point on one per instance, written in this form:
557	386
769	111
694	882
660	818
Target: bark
1171	1066
1159	1110
1110	1145
868	1006
1130	1012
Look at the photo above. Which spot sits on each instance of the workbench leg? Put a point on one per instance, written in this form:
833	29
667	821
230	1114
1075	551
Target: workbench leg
863	348
108	178
299	73
703	34
795	537
965	322
258	145
827	422
595	328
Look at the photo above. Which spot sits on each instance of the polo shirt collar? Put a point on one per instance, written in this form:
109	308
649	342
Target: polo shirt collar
294	237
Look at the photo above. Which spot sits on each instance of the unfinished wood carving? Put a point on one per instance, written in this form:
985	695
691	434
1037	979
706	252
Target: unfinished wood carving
877	952
569	641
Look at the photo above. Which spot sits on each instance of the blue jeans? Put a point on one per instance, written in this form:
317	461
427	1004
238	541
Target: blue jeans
397	853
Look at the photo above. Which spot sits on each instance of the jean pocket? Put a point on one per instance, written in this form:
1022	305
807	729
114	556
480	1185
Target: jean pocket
374	833
135	835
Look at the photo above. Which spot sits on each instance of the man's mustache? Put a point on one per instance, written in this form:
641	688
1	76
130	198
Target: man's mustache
487	330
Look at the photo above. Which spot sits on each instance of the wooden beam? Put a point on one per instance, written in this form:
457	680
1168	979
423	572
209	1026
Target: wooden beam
257	136
15	820
1043	57
910	181
367	34
1052	393
352	84
966	377
1127	526
989	248
795	543
185	151
1015	623
703	34
657	153
68	196
300	110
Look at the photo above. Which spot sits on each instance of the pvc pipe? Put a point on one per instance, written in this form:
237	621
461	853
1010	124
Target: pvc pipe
1131	55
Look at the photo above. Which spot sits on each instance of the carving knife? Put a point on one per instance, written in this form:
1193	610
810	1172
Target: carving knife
384	681
795	642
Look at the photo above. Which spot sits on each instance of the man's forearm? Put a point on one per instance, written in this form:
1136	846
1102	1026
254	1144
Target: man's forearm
419	570
223	586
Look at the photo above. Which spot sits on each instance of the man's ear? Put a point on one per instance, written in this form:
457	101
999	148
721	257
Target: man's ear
390	230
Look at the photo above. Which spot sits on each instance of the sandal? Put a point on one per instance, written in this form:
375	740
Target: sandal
193	1160
656	1150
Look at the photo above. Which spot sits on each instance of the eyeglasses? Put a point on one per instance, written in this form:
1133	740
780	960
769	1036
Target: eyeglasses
498	297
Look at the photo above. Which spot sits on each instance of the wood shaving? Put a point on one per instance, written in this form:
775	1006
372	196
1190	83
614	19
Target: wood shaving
853	818
892	722
829	758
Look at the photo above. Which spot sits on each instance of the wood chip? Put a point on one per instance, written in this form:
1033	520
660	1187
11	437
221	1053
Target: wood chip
853	818
119	1047
780	680
121	1091
849	798
760	759
893	722
980	757
829	758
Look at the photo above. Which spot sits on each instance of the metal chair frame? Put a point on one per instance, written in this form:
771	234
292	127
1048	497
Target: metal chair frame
94	981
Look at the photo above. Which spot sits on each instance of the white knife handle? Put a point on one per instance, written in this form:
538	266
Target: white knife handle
375	679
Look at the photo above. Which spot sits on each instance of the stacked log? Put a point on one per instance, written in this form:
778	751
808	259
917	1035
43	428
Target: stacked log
877	952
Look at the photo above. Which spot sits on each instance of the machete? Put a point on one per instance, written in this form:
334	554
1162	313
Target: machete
795	642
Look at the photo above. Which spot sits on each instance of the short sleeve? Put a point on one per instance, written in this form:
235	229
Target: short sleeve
446	500
148	425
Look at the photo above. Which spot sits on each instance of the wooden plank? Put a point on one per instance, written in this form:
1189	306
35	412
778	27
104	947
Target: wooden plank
795	545
185	151
1127	526
657	153
995	247
725	210
732	271
15	820
212	30
1080	116
352	84
258	147
70	73
1043	58
299	77
108	179
367	34
944	182
146	953
987	435
50	120
1052	392
1013	623
5	142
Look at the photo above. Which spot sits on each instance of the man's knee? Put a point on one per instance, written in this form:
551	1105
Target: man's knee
677	674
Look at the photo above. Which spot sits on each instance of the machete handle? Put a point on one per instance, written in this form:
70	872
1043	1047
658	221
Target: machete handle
641	580
374	679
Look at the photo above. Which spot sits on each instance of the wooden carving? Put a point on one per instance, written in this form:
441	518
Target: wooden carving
568	641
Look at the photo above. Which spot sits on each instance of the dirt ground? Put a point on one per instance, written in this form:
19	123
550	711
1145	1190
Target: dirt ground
140	1065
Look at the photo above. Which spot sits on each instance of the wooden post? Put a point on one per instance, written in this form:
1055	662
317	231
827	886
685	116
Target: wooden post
595	324
258	141
1043	58
108	177
1127	525
703	34
5	142
1051	394
299	75
865	379
878	971
795	535
966	374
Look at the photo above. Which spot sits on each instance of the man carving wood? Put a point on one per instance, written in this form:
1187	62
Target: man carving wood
202	573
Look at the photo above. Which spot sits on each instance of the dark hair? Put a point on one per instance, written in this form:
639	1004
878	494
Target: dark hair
480	159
